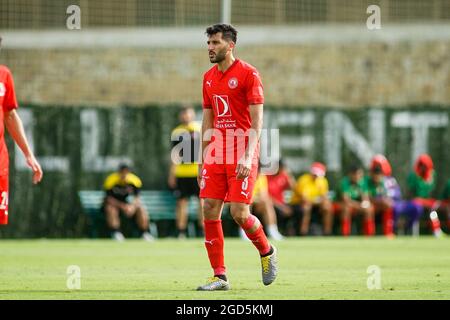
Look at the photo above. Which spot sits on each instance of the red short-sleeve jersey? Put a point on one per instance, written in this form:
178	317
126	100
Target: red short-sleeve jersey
229	94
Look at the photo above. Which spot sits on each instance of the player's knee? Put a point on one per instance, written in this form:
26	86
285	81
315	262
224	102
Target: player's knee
211	210
239	214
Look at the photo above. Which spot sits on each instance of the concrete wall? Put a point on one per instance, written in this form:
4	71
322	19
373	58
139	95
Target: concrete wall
333	66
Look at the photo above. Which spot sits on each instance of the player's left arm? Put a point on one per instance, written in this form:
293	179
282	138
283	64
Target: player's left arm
256	115
14	125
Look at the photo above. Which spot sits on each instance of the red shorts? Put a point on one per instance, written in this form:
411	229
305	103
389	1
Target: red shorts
3	199
219	182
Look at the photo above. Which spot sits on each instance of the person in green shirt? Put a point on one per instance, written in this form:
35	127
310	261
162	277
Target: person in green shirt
378	193
354	196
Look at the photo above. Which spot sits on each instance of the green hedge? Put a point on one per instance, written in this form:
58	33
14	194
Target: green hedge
62	137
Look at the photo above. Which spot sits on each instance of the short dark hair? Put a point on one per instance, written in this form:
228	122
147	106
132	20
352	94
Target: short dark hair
228	31
354	167
123	166
186	108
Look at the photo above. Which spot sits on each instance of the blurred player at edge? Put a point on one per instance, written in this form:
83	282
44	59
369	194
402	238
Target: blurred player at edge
232	102
11	120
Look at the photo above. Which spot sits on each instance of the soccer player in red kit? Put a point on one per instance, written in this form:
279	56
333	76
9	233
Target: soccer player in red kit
232	110
10	119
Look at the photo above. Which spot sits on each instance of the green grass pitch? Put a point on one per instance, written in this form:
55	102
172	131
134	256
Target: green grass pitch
309	268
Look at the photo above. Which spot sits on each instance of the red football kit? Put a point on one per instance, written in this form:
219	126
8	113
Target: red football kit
229	94
8	102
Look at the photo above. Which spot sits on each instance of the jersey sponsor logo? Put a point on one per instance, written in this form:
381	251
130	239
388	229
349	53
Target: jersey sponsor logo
222	106
2	89
233	83
209	83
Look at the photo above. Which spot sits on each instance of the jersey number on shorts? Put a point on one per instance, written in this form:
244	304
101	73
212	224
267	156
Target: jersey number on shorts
4	203
245	184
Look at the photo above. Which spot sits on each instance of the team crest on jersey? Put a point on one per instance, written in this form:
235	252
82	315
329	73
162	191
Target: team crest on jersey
232	83
2	89
222	106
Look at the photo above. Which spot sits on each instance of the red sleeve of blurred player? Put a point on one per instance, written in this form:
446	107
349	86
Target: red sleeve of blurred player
255	92
10	101
206	100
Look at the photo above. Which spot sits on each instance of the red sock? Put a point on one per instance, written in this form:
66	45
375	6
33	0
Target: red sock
214	245
255	232
346	226
388	221
369	227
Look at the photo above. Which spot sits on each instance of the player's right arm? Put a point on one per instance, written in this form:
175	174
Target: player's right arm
14	125
15	128
207	126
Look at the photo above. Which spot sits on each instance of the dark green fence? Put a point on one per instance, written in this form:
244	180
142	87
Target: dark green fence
78	147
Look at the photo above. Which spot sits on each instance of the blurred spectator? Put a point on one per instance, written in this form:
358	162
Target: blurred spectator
119	186
445	197
355	200
311	193
279	183
183	174
421	182
401	208
263	205
378	193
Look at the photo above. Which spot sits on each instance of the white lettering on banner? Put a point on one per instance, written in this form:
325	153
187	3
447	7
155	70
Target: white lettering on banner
291	141
338	128
420	123
48	163
90	145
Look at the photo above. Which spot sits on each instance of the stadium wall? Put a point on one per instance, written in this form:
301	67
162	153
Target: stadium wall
344	66
79	146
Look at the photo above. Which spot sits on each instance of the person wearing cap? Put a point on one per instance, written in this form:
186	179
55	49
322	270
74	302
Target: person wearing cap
378	193
119	186
354	199
401	207
311	193
421	182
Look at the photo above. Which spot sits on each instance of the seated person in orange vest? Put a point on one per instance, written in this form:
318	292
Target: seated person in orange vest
354	196
119	186
311	192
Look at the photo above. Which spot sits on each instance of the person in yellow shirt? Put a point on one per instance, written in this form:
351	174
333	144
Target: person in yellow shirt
119	186
263	205
311	192
184	168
